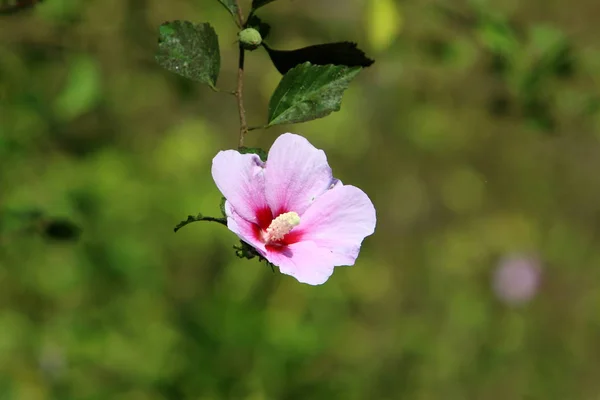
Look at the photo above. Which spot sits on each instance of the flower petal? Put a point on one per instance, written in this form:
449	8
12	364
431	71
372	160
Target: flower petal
244	229
240	177
296	174
339	220
305	261
335	183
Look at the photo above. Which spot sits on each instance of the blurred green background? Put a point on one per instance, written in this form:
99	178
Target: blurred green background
476	135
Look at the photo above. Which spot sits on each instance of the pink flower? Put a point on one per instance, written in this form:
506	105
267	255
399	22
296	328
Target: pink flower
292	210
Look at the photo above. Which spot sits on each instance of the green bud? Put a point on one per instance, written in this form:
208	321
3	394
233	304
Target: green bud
250	39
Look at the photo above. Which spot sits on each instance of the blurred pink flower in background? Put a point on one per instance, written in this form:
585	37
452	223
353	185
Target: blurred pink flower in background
292	210
517	278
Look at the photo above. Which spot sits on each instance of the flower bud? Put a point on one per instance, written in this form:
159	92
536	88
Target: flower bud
250	39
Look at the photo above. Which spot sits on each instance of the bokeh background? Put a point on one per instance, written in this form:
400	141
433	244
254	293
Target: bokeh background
476	134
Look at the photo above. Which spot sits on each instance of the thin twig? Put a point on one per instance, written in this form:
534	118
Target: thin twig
240	98
253	128
217	90
240	15
240	82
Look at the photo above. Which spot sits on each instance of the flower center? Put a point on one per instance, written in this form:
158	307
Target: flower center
281	226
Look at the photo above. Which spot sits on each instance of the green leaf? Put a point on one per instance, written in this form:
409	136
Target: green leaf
230	6
339	53
189	50
254	150
244	250
308	92
256	4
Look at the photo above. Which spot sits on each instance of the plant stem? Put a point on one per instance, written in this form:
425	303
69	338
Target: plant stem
239	94
217	90
252	128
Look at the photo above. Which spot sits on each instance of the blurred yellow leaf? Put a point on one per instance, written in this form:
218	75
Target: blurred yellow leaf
384	22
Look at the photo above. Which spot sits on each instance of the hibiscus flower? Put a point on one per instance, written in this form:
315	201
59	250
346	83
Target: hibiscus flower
292	210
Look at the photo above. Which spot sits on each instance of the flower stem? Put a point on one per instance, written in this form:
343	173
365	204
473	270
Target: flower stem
239	94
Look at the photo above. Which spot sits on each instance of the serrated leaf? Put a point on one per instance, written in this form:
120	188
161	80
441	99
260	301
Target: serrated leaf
340	53
190	50
230	6
309	92
256	4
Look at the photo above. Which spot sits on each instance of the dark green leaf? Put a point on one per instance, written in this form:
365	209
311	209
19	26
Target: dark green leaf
189	50
230	6
309	92
254	150
244	250
256	4
341	53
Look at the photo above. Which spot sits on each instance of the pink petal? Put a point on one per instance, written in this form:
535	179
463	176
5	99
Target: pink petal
305	261
241	179
339	220
296	174
245	230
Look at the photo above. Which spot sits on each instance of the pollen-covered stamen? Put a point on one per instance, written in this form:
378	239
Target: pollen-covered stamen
281	226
